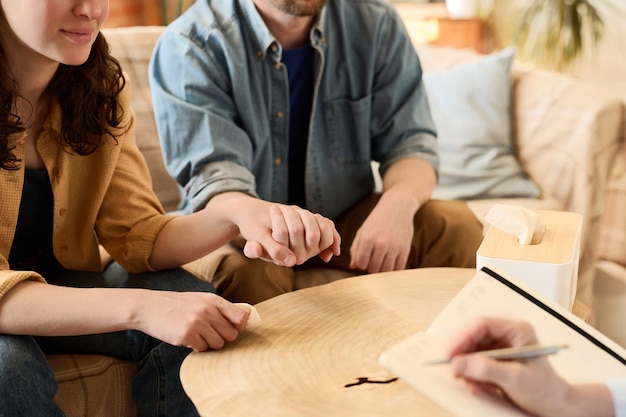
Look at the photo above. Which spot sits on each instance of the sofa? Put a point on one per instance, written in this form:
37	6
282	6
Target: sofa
610	278
568	136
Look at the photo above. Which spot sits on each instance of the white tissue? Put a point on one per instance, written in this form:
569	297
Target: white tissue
520	222
254	319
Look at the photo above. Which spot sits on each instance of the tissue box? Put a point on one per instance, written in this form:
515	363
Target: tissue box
549	266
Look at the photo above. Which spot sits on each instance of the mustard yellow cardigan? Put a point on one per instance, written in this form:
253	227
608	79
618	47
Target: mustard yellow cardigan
104	198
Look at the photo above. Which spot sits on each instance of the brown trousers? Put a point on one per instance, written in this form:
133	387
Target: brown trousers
446	233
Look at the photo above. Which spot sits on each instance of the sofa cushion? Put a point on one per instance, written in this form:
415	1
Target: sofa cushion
94	385
133	48
471	106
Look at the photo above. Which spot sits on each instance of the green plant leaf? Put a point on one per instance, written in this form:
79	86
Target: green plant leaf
553	33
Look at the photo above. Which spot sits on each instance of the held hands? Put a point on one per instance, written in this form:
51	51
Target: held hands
304	233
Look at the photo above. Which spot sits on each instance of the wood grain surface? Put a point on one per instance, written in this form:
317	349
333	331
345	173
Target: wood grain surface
313	342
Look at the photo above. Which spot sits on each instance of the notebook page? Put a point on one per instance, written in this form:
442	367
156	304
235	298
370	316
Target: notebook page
484	296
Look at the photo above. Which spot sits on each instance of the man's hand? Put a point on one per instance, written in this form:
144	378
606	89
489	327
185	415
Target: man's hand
383	241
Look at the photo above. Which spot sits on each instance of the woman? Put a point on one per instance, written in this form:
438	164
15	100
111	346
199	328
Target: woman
71	179
532	384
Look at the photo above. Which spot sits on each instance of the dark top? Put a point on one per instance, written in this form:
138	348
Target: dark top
32	245
299	62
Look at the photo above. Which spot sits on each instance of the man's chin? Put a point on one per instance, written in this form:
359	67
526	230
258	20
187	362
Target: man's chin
303	8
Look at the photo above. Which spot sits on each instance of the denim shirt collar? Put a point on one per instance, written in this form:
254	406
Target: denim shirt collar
266	43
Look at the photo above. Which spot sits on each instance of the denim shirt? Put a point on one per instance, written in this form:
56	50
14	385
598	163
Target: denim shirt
221	101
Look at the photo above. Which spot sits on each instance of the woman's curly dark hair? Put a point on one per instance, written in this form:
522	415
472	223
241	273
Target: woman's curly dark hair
87	94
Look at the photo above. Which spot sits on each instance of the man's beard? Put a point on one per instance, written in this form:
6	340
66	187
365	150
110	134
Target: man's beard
300	8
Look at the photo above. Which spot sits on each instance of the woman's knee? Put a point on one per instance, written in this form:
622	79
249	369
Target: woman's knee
27	382
18	354
176	279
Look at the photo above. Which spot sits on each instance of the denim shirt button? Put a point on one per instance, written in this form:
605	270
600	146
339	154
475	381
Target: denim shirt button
278	65
279	114
259	54
278	161
274	48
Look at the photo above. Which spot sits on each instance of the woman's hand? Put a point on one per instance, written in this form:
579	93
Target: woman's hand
284	235
197	320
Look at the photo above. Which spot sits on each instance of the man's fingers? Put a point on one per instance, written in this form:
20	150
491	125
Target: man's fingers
360	254
279	254
329	237
313	233
336	246
326	255
280	229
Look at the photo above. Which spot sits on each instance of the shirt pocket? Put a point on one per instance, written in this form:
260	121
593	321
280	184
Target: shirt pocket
348	124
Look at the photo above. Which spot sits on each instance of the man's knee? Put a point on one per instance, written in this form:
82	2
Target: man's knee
240	279
447	233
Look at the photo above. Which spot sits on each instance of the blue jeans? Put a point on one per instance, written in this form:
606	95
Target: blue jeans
27	382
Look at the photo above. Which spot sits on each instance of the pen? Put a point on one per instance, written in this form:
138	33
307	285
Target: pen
512	353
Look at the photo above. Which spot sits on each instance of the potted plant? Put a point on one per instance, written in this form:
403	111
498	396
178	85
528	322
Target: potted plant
553	33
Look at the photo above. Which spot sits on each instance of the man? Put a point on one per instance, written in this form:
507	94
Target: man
289	101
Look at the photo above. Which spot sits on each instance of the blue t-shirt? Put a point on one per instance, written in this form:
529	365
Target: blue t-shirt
299	62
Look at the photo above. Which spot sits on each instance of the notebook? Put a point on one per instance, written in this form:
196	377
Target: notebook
591	356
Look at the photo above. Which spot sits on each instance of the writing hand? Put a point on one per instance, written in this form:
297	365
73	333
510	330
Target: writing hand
533	385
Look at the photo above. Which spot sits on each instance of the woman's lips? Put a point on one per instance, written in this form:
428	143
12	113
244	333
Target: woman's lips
79	36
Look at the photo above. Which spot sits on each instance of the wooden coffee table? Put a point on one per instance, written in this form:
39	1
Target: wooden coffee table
316	350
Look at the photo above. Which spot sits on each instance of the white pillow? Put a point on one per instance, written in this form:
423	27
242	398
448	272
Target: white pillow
471	107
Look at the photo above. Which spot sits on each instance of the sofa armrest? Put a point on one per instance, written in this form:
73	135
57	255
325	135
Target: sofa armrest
567	133
612	245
